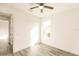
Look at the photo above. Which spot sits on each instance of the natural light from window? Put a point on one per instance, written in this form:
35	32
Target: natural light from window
34	35
3	35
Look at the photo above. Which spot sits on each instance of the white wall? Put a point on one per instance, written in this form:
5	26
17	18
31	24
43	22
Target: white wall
22	27
65	30
22	24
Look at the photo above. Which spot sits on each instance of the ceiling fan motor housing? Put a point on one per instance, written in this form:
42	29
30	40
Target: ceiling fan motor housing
41	4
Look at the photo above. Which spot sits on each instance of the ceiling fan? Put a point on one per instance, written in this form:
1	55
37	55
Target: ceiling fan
41	6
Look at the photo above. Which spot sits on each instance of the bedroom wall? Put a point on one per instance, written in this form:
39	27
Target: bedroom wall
65	31
22	24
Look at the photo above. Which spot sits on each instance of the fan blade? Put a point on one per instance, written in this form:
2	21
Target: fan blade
41	10
49	7
34	7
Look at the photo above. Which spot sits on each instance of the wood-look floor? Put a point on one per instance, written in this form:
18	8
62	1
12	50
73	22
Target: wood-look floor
41	50
4	48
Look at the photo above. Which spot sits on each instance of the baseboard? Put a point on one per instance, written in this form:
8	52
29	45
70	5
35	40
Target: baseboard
61	49
21	49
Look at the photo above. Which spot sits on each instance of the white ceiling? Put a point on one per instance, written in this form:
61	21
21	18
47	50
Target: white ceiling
58	7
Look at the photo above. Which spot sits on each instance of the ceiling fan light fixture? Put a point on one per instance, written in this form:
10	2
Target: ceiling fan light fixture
40	7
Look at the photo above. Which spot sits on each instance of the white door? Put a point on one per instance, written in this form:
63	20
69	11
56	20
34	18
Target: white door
46	33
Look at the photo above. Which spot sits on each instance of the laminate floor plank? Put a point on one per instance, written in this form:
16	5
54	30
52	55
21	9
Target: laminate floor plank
41	50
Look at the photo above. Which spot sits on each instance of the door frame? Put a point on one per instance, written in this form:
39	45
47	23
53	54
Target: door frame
9	18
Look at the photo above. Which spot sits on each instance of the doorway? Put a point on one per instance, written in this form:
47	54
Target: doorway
6	46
